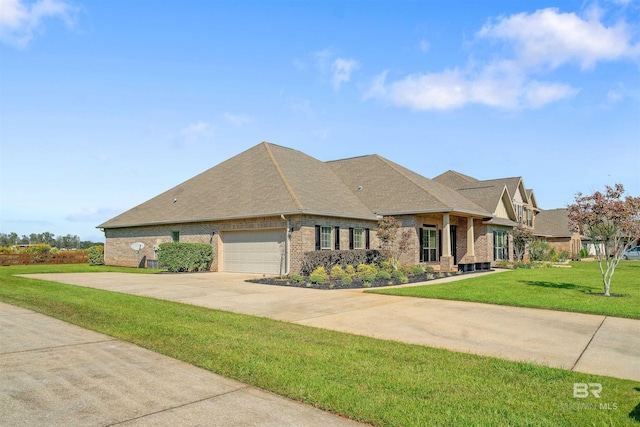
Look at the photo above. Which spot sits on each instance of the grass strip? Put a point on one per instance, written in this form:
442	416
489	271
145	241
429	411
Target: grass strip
563	289
375	381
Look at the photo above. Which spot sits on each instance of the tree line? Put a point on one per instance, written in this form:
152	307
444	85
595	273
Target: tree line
70	241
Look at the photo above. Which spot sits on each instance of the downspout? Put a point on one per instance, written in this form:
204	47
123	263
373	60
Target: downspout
287	246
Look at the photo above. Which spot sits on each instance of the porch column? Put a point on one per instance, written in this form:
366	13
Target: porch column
446	235
446	260
471	246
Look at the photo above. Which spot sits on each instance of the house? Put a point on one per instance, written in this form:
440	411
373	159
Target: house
263	209
553	226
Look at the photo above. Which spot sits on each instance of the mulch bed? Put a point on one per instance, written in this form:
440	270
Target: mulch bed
356	284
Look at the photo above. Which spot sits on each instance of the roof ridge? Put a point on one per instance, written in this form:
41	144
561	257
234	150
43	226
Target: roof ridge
350	158
393	166
282	176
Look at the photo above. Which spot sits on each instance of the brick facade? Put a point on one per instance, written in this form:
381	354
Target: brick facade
302	237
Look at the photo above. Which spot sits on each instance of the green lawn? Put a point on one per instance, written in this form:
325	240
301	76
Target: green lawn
565	289
376	381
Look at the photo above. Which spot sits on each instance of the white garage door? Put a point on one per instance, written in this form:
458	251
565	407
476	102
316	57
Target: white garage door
253	251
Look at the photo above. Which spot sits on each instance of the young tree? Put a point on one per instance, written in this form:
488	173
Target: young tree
393	243
522	236
611	222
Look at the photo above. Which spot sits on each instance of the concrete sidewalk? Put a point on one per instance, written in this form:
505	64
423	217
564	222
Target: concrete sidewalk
581	342
53	373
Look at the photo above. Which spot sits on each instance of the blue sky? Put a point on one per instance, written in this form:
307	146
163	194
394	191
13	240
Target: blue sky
105	104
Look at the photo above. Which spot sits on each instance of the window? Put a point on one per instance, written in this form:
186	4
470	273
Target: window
519	213
529	217
325	237
358	241
428	244
175	236
500	245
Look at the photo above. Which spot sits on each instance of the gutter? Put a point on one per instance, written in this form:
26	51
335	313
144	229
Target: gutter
373	217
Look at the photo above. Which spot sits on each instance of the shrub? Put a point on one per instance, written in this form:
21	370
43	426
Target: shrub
347	280
329	259
563	256
429	269
540	250
337	272
96	255
416	270
319	276
584	253
41	248
296	278
386	266
383	275
367	272
350	270
179	257
398	275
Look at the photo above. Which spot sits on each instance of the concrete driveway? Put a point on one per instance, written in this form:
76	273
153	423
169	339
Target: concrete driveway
53	373
585	343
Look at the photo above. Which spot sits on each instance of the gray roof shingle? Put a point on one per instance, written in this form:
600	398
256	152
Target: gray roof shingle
264	180
553	222
390	189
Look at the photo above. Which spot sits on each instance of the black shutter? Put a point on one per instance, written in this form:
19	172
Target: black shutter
367	241
421	245
336	238
350	238
439	244
317	237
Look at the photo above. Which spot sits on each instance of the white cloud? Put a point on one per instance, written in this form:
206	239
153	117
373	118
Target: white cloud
541	42
339	68
193	132
19	21
424	46
538	94
500	86
342	69
548	37
236	119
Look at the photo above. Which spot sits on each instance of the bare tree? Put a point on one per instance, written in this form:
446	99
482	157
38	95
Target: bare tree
393	242
611	222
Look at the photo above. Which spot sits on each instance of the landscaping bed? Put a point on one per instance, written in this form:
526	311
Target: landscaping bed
357	283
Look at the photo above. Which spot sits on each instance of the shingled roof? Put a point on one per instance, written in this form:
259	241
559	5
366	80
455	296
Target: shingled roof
553	223
264	180
390	189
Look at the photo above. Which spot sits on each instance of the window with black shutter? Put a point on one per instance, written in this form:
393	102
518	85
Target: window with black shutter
350	238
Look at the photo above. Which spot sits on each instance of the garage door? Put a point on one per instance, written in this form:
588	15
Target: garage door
253	251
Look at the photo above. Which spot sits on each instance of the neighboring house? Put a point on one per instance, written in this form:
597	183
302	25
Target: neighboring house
553	226
264	208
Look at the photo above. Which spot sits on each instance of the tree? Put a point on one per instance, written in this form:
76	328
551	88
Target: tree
522	236
393	243
611	222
